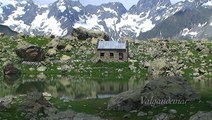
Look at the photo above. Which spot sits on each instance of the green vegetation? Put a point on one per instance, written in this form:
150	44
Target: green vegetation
81	77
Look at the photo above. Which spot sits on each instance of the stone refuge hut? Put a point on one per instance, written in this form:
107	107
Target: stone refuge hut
112	51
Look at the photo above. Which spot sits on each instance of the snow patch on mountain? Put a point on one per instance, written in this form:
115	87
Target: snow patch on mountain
110	10
209	3
187	32
111	23
135	23
14	22
62	8
89	22
77	9
48	25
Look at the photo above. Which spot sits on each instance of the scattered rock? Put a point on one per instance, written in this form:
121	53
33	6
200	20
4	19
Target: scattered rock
68	48
32	54
5	103
146	64
2	34
41	76
42	68
161	116
172	111
201	116
141	114
127	116
53	43
65	58
47	96
51	52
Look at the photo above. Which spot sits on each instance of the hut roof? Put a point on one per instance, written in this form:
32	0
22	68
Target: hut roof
112	45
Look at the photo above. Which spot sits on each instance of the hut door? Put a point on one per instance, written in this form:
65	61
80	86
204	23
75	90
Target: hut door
121	56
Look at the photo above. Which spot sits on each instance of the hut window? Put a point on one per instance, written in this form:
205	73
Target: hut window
111	55
102	54
121	56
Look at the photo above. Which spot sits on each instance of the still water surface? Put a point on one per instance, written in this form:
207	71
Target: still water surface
78	87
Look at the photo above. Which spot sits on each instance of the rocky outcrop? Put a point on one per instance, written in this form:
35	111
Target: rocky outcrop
35	104
164	90
5	103
83	34
126	101
176	88
202	116
31	54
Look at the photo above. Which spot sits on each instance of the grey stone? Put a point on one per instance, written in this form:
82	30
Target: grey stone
161	116
201	116
170	88
172	111
42	68
141	114
127	116
125	101
51	52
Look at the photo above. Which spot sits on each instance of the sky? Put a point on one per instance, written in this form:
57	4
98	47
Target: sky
126	3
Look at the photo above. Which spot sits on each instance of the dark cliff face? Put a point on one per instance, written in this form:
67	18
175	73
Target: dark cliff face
7	31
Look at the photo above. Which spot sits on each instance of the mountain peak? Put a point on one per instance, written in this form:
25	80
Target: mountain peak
146	5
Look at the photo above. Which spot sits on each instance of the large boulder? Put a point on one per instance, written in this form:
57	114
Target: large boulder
83	34
176	88
36	104
171	89
31	54
125	101
202	116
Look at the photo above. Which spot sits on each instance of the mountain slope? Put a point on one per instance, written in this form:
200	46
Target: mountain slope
180	24
146	19
7	31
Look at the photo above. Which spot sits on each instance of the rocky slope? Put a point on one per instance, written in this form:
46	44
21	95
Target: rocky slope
60	17
187	23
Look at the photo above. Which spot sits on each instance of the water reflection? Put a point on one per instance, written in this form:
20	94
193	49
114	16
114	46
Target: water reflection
204	85
10	79
75	87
